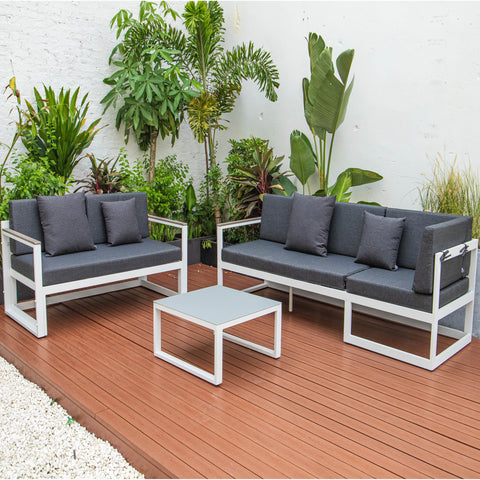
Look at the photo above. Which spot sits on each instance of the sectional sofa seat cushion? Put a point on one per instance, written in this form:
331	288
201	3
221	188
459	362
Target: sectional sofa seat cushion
346	227
64	224
396	287
121	222
380	241
276	213
102	261
96	218
309	224
330	271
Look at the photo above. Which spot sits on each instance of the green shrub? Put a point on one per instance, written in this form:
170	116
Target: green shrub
165	194
452	190
27	178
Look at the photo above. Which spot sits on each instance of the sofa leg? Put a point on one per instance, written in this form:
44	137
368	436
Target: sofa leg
219	274
41	314
182	280
290	299
347	321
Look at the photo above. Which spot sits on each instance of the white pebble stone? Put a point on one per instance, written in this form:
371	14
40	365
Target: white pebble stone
37	442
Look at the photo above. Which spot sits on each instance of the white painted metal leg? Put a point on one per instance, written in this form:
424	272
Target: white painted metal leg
218	357
433	340
41	313
347	321
274	352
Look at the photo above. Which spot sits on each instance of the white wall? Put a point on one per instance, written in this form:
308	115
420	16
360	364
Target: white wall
416	66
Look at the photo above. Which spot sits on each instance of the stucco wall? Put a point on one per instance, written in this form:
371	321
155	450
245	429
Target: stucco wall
416	66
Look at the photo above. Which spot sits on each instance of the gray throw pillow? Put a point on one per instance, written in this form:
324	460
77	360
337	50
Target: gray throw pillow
64	223
380	241
121	222
309	224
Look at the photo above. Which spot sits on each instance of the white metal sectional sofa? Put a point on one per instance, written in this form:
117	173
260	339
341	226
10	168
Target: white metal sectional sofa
407	266
75	243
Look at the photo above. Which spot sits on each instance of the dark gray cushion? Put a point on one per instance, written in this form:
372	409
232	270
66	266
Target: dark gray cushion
309	224
346	226
64	224
395	286
95	214
24	218
380	241
415	223
121	222
276	211
330	271
437	238
103	261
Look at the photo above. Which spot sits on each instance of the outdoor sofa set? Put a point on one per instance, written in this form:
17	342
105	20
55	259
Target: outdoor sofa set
411	266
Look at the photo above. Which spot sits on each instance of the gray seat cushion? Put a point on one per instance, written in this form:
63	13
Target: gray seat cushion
276	212
346	227
330	271
95	214
396	287
104	260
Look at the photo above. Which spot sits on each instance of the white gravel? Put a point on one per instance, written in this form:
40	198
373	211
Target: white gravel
38	439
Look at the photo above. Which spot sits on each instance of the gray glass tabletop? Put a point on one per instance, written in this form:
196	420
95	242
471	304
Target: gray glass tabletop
217	304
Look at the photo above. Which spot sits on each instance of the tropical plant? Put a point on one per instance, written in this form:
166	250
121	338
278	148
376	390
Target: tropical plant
26	178
165	193
325	99
263	176
55	129
22	123
103	176
149	80
219	72
452	190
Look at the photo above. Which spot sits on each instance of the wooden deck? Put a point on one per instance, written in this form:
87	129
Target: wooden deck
325	409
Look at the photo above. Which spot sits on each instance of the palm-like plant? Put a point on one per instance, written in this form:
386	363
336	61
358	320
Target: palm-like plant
262	176
55	131
219	72
149	80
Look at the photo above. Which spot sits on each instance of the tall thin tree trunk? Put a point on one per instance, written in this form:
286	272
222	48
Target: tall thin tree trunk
153	156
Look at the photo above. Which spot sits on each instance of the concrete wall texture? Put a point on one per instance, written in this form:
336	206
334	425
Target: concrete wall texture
416	67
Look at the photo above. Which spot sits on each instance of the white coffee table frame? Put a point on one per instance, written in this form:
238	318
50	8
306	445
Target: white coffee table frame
250	306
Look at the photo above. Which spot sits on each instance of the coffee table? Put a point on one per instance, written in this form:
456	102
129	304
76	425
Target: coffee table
216	308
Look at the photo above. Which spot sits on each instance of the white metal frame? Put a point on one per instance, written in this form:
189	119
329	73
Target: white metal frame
219	335
419	319
89	286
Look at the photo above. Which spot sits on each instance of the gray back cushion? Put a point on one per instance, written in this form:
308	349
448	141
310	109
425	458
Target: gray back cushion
437	238
95	214
415	223
276	212
346	227
24	218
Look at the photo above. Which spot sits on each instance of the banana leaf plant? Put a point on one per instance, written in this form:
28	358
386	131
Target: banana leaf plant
325	101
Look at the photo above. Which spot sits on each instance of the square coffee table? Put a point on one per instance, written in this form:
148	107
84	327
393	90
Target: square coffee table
216	308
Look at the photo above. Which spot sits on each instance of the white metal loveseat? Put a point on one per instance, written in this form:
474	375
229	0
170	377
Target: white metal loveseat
116	260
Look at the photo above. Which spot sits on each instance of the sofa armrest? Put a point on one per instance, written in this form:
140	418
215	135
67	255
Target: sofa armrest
20	237
167	221
238	223
438	238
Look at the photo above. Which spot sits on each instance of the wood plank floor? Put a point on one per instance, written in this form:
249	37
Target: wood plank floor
325	409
